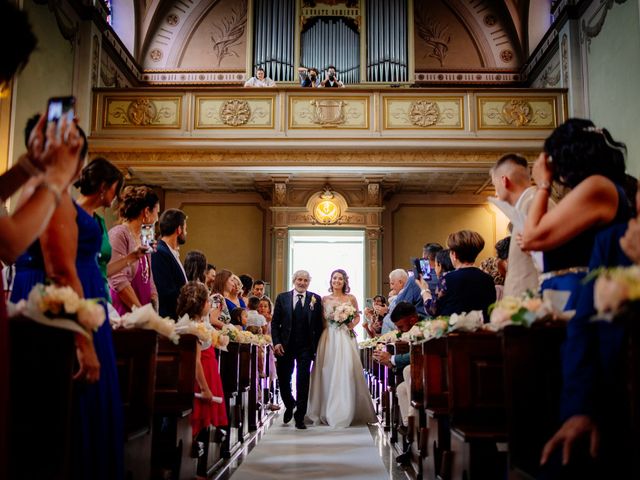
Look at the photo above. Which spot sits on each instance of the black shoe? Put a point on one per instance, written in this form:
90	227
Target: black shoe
404	459
288	415
301	426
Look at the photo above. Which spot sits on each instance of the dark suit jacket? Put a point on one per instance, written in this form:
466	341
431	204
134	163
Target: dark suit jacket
283	314
168	277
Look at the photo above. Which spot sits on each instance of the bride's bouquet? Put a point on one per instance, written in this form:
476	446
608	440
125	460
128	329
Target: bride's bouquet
343	315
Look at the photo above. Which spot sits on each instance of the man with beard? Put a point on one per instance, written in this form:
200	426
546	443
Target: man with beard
168	272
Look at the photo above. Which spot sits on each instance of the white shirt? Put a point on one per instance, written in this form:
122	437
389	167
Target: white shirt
295	298
255	82
176	253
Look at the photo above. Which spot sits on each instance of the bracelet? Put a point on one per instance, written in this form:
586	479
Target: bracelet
28	166
544	186
57	194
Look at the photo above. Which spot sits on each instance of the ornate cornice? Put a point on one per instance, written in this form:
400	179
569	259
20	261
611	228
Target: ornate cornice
592	28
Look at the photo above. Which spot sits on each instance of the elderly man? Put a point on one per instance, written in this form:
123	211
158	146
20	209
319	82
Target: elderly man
408	291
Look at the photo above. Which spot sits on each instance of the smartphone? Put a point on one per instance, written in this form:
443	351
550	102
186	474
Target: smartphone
421	268
369	303
148	235
59	107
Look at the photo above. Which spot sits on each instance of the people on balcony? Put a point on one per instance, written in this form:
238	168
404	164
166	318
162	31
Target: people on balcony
309	78
260	80
332	79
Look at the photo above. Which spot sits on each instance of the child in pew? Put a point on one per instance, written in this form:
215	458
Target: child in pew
194	301
256	323
239	318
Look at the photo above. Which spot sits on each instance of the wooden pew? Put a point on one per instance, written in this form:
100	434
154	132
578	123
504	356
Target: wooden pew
417	426
42	362
229	363
254	405
173	405
136	358
477	405
533	381
244	384
394	377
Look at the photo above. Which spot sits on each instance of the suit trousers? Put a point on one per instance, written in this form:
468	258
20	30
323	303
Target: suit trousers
301	360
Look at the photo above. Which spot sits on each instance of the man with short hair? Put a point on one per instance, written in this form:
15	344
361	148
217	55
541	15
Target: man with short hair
168	272
258	289
408	291
511	179
296	326
332	79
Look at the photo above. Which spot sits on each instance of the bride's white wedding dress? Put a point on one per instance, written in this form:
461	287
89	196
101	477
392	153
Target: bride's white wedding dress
338	394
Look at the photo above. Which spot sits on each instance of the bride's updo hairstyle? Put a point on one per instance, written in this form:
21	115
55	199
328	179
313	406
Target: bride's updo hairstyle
345	277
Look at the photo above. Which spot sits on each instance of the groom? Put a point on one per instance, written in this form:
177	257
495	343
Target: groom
296	327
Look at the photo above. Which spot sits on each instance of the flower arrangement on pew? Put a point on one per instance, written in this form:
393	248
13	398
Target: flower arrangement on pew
528	309
204	331
441	326
61	307
147	318
614	289
243	336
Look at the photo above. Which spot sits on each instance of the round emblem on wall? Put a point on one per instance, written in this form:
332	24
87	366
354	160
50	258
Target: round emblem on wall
155	54
326	211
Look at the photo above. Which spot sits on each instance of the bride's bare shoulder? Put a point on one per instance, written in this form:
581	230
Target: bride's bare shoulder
327	298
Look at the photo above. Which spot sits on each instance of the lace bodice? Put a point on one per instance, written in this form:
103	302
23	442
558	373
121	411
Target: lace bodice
330	304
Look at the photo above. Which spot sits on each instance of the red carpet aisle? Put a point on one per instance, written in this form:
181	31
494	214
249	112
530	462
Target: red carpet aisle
316	453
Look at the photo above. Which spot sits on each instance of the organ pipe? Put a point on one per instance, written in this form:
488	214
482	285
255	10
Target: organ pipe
273	38
387	59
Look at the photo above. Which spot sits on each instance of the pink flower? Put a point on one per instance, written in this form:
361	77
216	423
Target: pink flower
609	294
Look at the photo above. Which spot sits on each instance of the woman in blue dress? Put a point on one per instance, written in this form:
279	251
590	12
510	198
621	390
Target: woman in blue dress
67	254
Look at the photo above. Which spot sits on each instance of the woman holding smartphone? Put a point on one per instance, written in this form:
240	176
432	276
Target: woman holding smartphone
133	286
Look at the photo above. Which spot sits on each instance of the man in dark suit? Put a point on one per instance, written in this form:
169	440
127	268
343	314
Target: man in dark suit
296	328
168	272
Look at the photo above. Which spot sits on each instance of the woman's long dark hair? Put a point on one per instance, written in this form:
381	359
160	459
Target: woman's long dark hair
578	150
195	266
345	277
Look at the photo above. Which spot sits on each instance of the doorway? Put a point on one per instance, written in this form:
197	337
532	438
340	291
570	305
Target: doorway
320	251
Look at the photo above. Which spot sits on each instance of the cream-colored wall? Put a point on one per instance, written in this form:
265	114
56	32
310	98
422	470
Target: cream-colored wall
613	64
49	72
231	236
416	225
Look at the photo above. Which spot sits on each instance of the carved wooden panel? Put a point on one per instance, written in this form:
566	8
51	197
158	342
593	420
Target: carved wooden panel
418	113
517	113
142	112
235	112
341	112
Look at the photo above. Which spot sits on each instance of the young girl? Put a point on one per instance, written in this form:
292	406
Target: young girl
239	318
194	301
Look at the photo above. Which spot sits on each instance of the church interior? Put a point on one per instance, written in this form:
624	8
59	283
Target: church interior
271	181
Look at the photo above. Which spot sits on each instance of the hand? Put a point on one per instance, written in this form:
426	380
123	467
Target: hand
420	282
521	243
541	172
381	309
278	350
206	394
57	154
630	243
383	358
138	253
89	370
574	428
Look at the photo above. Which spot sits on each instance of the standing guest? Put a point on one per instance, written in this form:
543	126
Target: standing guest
246	285
207	410
195	264
168	273
260	80
429	252
497	266
257	290
332	79
210	277
221	284
233	292
134	285
309	78
590	162
256	323
467	288
510	178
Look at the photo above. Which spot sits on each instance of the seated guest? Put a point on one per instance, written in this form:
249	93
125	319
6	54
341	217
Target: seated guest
194	302
239	318
260	80
594	409
257	290
168	273
586	159
373	319
210	277
134	285
256	323
309	78
467	288
407	290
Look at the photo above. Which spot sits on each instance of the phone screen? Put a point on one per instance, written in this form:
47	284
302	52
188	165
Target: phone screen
59	107
425	268
147	235
369	302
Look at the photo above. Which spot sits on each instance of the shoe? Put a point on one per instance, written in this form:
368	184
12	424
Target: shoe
301	426
402	430
288	415
404	459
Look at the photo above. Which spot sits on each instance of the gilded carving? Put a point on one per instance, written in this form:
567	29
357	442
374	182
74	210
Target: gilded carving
142	112
280	193
565	61
519	112
327	112
423	113
235	112
373	189
346	112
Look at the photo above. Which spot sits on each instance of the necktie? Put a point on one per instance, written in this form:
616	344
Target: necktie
298	308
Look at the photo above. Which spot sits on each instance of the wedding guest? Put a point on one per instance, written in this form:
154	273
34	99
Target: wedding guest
220	284
256	323
134	285
260	80
309	78
397	280
408	291
210	277
195	265
373	318
332	79
168	272
246	285
265	308
257	290
590	162
194	302
466	288
497	266
232	288
594	406
429	252
239	318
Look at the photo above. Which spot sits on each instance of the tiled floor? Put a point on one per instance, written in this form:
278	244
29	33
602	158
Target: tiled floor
319	453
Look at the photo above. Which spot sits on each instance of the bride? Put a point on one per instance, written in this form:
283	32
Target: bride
338	394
